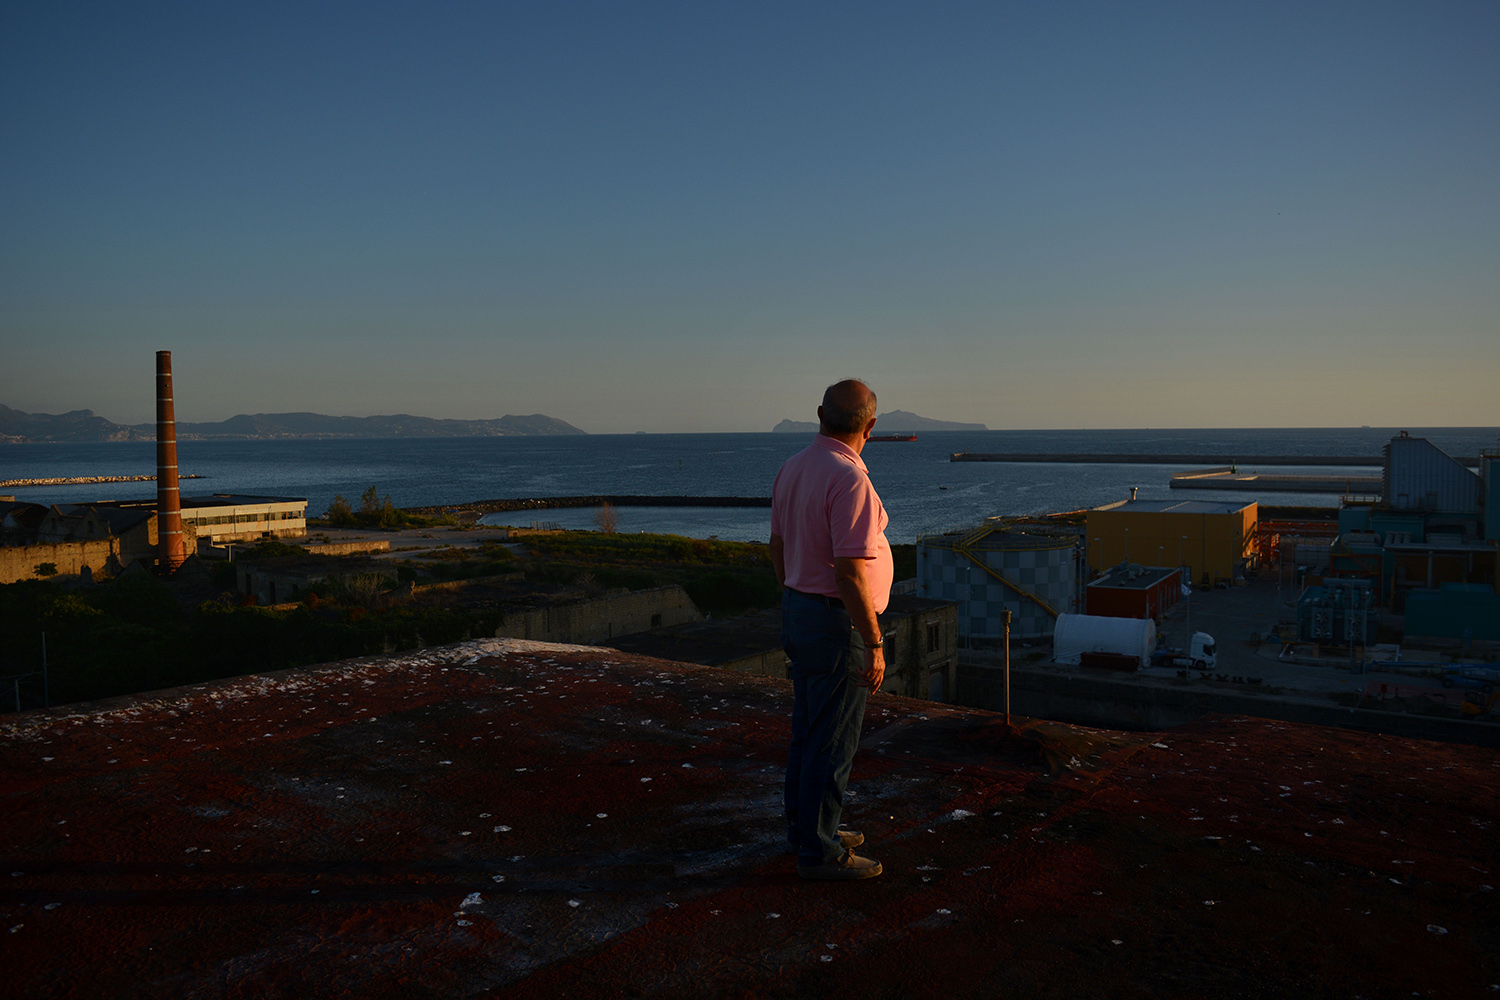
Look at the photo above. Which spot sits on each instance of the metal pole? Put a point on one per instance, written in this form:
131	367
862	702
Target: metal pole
1005	619
1188	643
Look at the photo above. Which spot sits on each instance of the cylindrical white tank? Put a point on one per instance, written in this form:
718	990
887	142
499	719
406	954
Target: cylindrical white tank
1079	634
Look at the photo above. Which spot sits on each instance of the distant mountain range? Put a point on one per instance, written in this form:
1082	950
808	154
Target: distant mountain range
85	425
888	423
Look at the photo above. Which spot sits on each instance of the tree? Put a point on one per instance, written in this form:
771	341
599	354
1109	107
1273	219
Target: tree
390	517
340	514
607	517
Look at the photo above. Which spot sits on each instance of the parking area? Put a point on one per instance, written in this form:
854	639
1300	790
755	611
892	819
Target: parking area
1246	621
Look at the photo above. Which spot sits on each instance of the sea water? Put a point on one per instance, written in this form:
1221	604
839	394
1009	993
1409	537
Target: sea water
922	489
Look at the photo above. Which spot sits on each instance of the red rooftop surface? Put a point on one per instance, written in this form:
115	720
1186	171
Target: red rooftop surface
508	819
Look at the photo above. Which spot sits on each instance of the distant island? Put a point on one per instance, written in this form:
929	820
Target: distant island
888	423
17	427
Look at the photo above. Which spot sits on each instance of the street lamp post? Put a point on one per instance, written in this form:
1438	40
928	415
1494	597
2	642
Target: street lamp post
1188	600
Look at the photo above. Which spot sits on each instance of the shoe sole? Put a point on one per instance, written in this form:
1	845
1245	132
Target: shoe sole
847	843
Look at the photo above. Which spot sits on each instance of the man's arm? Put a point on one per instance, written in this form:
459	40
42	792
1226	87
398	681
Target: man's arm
778	558
854	591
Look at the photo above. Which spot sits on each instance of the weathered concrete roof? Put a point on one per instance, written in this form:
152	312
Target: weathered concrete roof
712	641
500	818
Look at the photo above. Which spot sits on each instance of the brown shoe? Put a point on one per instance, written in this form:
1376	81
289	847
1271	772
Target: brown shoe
848	866
848	840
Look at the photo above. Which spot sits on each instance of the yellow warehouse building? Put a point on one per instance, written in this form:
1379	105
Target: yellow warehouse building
1215	540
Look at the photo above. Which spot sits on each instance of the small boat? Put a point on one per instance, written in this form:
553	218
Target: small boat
893	437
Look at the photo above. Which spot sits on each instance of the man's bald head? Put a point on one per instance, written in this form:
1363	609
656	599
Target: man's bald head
847	407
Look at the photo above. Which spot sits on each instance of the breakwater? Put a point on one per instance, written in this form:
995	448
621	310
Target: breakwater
79	480
616	500
1139	459
1223	478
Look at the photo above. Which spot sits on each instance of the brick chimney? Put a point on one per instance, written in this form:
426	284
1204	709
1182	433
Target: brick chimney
171	548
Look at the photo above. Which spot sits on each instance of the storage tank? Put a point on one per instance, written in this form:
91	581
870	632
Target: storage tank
989	570
1079	634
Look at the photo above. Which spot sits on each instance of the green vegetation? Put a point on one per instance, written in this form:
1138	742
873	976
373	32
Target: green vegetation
722	578
132	634
460	563
376	513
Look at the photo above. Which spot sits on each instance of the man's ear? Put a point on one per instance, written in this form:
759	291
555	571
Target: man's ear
869	427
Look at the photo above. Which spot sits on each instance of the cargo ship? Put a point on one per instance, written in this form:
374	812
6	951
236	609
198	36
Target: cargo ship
893	437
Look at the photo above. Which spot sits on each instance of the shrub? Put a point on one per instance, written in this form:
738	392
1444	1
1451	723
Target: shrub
46	569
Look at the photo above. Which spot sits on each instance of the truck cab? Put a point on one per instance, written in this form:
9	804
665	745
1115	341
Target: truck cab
1201	654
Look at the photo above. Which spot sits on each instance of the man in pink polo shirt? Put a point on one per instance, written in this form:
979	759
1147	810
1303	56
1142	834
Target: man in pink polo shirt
831	556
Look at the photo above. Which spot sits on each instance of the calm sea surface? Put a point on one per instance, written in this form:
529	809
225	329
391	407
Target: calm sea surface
923	491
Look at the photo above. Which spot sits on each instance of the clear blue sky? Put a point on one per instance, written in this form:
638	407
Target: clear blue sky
673	217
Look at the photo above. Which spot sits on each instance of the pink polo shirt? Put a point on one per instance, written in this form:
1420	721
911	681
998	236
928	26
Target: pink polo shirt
823	506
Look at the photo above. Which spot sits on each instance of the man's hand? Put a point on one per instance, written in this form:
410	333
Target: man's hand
854	589
874	673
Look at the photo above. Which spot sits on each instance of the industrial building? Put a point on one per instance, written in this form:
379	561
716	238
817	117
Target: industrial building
1214	542
232	517
1429	548
72	540
994	569
108	537
1134	591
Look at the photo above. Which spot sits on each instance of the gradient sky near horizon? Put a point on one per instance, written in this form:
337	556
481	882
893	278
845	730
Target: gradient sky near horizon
693	216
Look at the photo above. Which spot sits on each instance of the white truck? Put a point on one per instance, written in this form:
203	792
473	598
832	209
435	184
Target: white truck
1201	654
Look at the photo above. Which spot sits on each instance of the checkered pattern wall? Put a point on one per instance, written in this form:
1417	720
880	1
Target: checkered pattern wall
950	575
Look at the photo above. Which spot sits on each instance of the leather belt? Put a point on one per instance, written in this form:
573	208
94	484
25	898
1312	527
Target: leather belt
832	602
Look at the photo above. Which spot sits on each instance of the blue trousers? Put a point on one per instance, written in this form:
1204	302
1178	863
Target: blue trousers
827	713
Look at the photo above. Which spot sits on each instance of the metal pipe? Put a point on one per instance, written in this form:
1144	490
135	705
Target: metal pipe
1005	620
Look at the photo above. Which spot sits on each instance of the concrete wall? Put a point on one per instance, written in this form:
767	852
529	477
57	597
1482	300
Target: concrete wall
269	586
19	562
597	620
1054	693
768	663
347	548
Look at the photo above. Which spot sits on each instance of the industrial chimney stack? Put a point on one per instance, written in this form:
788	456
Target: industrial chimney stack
170	547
